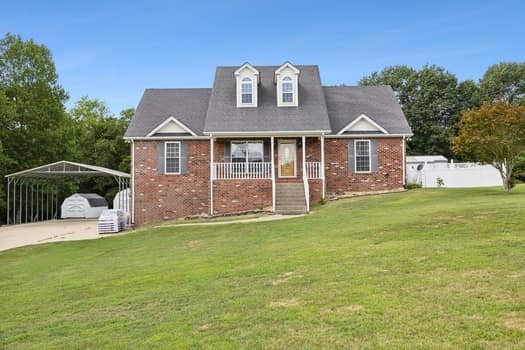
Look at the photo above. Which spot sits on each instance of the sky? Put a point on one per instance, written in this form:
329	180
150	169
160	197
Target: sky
113	50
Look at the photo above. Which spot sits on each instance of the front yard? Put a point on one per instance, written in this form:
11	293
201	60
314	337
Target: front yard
424	269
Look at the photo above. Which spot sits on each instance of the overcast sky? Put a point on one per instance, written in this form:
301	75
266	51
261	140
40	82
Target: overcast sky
113	50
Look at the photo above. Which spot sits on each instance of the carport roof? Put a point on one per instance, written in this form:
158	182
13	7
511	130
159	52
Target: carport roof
65	168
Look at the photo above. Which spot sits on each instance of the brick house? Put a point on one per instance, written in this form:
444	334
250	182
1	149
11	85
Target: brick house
263	137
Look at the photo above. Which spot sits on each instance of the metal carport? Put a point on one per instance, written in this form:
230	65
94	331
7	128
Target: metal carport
30	198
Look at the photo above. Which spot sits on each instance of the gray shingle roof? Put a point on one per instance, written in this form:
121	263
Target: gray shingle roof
187	105
346	103
320	108
223	114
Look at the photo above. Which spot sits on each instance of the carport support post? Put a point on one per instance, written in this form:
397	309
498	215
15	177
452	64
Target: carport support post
8	195
42	192
25	217
20	189
119	193
47	202
31	202
52	202
14	201
37	203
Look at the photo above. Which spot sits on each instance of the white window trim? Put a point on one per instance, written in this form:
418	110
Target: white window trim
166	158
245	141
246	71
292	142
292	82
369	157
241	94
295	92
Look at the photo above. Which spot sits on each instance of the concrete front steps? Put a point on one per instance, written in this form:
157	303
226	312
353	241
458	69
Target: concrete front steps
289	198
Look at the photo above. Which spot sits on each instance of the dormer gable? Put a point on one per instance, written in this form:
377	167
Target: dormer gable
247	82
287	85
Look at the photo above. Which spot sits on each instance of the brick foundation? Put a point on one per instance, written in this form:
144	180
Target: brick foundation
232	196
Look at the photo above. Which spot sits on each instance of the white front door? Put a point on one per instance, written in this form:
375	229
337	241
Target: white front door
287	159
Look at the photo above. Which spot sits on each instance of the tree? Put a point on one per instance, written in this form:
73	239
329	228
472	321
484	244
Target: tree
495	134
32	113
504	81
100	136
432	100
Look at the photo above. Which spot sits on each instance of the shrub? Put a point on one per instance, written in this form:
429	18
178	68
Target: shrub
412	186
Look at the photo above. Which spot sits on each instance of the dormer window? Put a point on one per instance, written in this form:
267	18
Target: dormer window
247	80
287	85
246	91
287	90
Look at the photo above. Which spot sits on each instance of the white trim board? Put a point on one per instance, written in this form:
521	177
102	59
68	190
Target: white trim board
269	133
287	65
247	66
165	123
362	121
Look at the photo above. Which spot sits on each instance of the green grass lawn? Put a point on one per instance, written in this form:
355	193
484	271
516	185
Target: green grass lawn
422	269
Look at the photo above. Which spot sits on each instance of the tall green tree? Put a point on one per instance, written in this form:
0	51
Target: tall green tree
32	113
504	81
100	134
432	100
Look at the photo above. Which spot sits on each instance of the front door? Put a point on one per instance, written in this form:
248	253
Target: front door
287	159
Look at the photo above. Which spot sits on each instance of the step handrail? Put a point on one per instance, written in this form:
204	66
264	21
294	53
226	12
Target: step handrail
306	190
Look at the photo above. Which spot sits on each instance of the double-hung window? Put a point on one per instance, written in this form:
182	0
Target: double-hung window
245	153
172	157
246	91
362	156
287	90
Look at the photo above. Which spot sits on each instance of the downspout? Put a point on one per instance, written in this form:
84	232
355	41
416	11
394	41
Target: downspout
211	174
273	173
322	168
132	182
403	145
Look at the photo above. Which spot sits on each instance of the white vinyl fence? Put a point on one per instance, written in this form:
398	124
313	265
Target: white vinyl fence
453	175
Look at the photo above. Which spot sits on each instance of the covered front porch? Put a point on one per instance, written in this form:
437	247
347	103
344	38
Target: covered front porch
271	161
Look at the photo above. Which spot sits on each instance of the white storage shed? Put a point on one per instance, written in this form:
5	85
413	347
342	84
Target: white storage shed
122	201
83	205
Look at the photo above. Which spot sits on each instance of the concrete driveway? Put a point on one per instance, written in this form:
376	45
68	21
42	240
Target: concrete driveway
48	231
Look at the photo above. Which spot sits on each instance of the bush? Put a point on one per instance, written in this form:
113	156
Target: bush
412	186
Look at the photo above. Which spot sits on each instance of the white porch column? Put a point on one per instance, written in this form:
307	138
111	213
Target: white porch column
304	154
273	172
212	175
323	181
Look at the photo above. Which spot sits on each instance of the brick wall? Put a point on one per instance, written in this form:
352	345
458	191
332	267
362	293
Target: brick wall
162	197
232	196
388	177
316	188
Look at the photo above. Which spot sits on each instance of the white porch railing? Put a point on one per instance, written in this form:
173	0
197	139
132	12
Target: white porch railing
314	170
242	171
